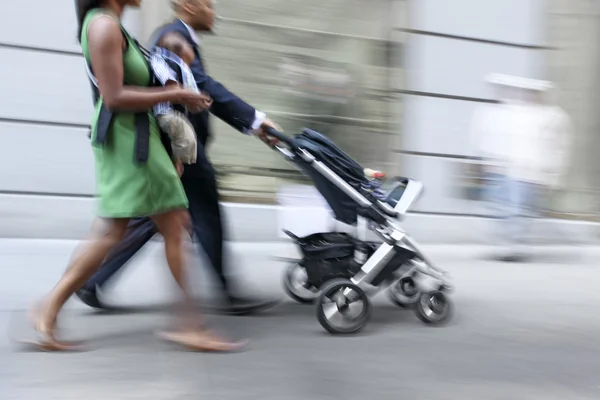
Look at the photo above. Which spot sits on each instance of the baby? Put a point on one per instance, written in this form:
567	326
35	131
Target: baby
171	61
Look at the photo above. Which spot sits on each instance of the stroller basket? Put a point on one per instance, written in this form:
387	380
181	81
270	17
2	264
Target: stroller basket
327	256
330	255
326	246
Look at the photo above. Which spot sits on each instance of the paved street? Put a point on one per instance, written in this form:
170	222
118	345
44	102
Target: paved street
519	332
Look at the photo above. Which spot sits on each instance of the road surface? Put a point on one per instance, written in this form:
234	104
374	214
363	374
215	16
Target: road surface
520	331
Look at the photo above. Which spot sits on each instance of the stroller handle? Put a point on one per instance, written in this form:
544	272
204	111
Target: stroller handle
282	137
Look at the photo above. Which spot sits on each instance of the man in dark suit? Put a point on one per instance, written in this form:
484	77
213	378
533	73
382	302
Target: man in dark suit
198	179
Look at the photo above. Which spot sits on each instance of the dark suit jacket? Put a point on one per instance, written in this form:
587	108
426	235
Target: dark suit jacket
226	106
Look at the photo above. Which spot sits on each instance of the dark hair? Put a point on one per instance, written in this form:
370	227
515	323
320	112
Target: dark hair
173	42
82	7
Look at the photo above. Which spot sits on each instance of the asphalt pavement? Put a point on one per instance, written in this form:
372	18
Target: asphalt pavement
520	331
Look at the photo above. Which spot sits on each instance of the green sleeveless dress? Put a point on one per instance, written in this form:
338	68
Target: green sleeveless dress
127	189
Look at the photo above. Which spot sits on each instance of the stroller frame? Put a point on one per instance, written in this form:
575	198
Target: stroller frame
383	221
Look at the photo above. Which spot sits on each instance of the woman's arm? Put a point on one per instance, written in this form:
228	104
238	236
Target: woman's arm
106	51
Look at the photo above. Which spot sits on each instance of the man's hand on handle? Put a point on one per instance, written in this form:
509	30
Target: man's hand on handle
262	132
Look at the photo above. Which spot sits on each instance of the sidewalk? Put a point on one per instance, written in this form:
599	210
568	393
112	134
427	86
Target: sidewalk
519	331
29	267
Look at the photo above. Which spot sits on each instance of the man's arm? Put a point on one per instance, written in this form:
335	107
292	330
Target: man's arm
226	105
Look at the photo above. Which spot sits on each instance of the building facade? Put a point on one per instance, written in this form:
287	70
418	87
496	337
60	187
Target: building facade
452	46
574	65
327	66
393	82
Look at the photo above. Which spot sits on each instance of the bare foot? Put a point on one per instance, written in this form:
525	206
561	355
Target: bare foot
201	340
44	328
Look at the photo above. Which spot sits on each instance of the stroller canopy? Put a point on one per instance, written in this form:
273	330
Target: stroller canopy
324	150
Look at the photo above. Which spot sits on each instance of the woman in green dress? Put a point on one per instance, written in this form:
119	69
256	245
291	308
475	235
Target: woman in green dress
127	186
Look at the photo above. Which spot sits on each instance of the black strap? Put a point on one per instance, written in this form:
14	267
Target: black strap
142	137
144	50
105	117
92	77
103	124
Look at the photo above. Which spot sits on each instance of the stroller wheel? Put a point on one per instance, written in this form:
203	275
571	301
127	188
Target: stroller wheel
404	293
343	307
434	308
294	284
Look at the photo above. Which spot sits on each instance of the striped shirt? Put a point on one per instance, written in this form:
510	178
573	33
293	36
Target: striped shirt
164	73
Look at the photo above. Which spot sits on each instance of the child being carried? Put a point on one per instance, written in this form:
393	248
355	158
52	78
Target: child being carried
171	61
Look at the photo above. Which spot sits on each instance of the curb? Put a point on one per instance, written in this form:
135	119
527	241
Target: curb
54	217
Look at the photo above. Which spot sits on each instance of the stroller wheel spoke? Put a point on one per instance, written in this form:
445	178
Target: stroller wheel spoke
295	283
343	307
434	308
355	309
331	310
404	293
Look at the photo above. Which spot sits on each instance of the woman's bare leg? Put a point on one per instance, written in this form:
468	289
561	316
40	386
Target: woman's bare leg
98	228
82	268
172	226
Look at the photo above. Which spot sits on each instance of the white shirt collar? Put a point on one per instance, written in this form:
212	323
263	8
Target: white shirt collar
192	32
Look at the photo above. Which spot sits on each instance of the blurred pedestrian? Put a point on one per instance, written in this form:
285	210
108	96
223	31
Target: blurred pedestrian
524	140
198	179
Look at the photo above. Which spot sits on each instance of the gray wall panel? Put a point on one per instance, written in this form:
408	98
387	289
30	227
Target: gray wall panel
440	176
437	125
44	86
50	159
457	67
48	24
514	21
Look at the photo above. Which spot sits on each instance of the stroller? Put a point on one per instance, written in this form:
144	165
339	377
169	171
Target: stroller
338	272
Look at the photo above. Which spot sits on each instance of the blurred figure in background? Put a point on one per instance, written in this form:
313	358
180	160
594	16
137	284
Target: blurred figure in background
198	179
321	88
524	141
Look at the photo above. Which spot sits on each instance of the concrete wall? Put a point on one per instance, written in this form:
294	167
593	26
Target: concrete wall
47	177
45	106
574	30
247	53
452	45
45	109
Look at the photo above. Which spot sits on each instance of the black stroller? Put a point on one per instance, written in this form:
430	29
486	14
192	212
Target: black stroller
337	270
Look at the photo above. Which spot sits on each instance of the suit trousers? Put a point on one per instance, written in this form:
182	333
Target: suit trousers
200	185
